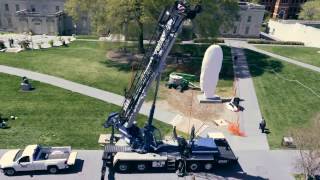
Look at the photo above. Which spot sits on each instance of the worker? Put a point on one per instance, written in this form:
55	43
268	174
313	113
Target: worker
262	125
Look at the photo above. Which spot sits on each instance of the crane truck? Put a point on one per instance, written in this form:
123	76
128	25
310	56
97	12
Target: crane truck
142	149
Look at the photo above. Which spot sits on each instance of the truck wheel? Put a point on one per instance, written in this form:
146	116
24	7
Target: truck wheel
53	169
123	167
208	166
141	167
194	166
9	171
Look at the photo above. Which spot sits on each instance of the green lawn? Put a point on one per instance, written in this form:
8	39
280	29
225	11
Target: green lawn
304	54
285	105
89	37
53	116
85	62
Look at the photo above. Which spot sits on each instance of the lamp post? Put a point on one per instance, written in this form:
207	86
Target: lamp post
75	29
30	34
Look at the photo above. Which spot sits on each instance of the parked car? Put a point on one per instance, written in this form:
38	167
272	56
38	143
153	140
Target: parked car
36	157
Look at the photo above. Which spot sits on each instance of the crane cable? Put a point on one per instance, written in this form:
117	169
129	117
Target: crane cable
289	80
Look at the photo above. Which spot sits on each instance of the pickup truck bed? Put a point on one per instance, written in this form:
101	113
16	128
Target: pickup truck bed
54	153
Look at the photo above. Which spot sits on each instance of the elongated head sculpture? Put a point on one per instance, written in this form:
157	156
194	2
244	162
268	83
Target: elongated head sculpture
211	66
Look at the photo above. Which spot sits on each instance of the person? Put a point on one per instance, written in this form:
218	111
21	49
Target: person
262	125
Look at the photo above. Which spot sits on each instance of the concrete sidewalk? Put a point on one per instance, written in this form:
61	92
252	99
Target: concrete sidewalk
251	116
161	115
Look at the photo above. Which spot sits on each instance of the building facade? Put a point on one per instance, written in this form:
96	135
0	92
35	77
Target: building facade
39	17
248	23
283	9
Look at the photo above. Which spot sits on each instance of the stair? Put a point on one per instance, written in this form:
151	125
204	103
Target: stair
171	163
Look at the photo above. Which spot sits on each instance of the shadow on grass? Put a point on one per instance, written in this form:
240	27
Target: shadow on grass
182	59
260	63
127	67
72	170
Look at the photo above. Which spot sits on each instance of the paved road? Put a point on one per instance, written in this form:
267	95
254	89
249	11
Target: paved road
257	167
162	115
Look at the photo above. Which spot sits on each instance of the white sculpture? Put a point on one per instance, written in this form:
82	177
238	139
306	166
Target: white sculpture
211	66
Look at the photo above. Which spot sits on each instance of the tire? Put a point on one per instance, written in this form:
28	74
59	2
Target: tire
9	171
208	166
141	167
194	166
123	167
53	169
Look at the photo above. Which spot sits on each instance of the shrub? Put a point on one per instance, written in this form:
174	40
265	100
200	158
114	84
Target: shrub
51	43
275	42
24	44
2	46
208	40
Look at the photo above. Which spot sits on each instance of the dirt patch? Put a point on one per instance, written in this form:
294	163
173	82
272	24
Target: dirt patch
126	58
187	104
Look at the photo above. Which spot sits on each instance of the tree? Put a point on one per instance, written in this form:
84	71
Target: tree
308	143
118	14
310	10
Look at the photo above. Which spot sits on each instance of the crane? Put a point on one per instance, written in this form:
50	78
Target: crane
137	144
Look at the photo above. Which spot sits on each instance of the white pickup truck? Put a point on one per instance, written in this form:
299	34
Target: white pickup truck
36	157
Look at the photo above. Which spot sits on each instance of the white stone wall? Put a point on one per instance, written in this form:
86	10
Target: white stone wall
43	22
249	22
295	32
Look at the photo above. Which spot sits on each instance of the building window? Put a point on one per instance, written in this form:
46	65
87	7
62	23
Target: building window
247	29
57	8
249	19
6	7
17	7
234	29
9	22
33	9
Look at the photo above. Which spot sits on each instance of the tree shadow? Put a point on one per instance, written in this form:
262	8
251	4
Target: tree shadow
260	63
72	170
185	58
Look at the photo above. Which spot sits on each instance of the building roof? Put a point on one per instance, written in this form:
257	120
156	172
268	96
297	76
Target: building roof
247	5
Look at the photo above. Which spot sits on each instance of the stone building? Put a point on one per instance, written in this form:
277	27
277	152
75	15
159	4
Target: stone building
283	9
39	17
248	23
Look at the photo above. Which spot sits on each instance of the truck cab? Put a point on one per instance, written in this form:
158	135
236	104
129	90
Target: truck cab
35	158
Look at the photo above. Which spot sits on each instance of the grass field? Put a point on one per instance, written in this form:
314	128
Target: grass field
85	62
285	104
304	54
53	116
90	37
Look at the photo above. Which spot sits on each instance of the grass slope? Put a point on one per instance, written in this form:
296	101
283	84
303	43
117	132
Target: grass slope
284	104
304	54
85	62
53	116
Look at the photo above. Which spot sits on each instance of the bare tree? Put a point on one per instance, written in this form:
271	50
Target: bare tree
308	144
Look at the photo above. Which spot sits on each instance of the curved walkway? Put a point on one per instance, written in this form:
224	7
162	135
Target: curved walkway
282	58
161	115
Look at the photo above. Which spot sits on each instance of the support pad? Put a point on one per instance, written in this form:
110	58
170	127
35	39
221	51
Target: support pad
203	99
